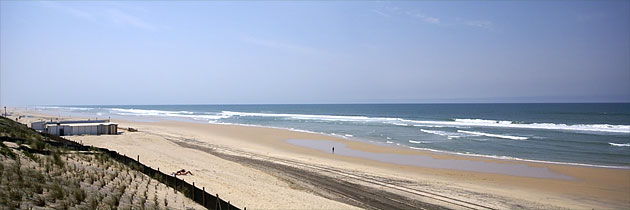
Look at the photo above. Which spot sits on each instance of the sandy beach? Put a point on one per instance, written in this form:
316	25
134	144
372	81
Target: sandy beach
255	167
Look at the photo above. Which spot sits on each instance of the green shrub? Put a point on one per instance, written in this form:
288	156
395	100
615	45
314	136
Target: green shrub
29	155
6	151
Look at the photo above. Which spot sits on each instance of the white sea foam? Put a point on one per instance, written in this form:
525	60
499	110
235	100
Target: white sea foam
348	135
429	126
619	145
457	123
418	142
449	135
400	124
493	135
162	113
440	133
518	159
311	117
389	142
549	126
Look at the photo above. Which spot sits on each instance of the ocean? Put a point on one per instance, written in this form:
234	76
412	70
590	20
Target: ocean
589	134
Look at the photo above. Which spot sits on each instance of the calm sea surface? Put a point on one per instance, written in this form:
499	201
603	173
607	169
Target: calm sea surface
585	134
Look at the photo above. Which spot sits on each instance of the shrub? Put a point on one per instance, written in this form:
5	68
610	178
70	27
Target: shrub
78	194
6	151
29	155
38	144
56	191
37	188
57	159
39	201
93	202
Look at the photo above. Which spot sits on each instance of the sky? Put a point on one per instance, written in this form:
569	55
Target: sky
268	52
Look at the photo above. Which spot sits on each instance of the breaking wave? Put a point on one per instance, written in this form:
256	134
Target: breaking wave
619	145
449	135
161	113
493	135
455	123
418	142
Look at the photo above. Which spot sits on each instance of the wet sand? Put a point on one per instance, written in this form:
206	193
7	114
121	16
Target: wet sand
251	166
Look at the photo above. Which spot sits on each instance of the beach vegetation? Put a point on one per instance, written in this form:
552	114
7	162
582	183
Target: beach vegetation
41	175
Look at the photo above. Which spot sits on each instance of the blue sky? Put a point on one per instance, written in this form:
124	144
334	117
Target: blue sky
159	52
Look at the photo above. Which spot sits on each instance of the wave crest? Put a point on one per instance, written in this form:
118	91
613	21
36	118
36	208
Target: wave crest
493	135
619	145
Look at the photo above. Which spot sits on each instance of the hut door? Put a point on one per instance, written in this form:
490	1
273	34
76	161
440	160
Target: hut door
60	131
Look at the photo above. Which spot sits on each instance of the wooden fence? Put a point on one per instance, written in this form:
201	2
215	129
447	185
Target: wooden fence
191	191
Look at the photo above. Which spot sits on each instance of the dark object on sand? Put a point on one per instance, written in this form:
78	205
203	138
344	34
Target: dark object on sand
130	129
181	172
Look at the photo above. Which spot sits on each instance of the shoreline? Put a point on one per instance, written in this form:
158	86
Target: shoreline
394	145
593	187
401	146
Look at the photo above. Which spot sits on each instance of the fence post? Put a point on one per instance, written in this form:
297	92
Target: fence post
138	158
218	203
204	196
193	192
229	205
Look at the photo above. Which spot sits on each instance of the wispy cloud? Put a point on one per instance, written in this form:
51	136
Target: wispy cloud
388	11
423	17
67	9
382	14
484	24
400	11
282	45
121	17
113	13
480	23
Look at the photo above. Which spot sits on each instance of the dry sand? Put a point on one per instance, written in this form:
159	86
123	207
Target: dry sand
253	167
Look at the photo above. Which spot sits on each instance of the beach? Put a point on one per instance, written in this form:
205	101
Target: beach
258	167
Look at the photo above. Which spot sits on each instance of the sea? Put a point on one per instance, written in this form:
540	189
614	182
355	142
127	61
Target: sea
584	134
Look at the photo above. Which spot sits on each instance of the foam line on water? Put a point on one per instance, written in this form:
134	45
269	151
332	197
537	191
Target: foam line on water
457	123
161	113
454	123
449	135
418	142
519	159
493	135
619	145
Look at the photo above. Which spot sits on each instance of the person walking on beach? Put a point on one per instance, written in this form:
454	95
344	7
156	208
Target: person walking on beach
333	150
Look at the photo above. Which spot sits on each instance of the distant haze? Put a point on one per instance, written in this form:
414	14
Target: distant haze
202	52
